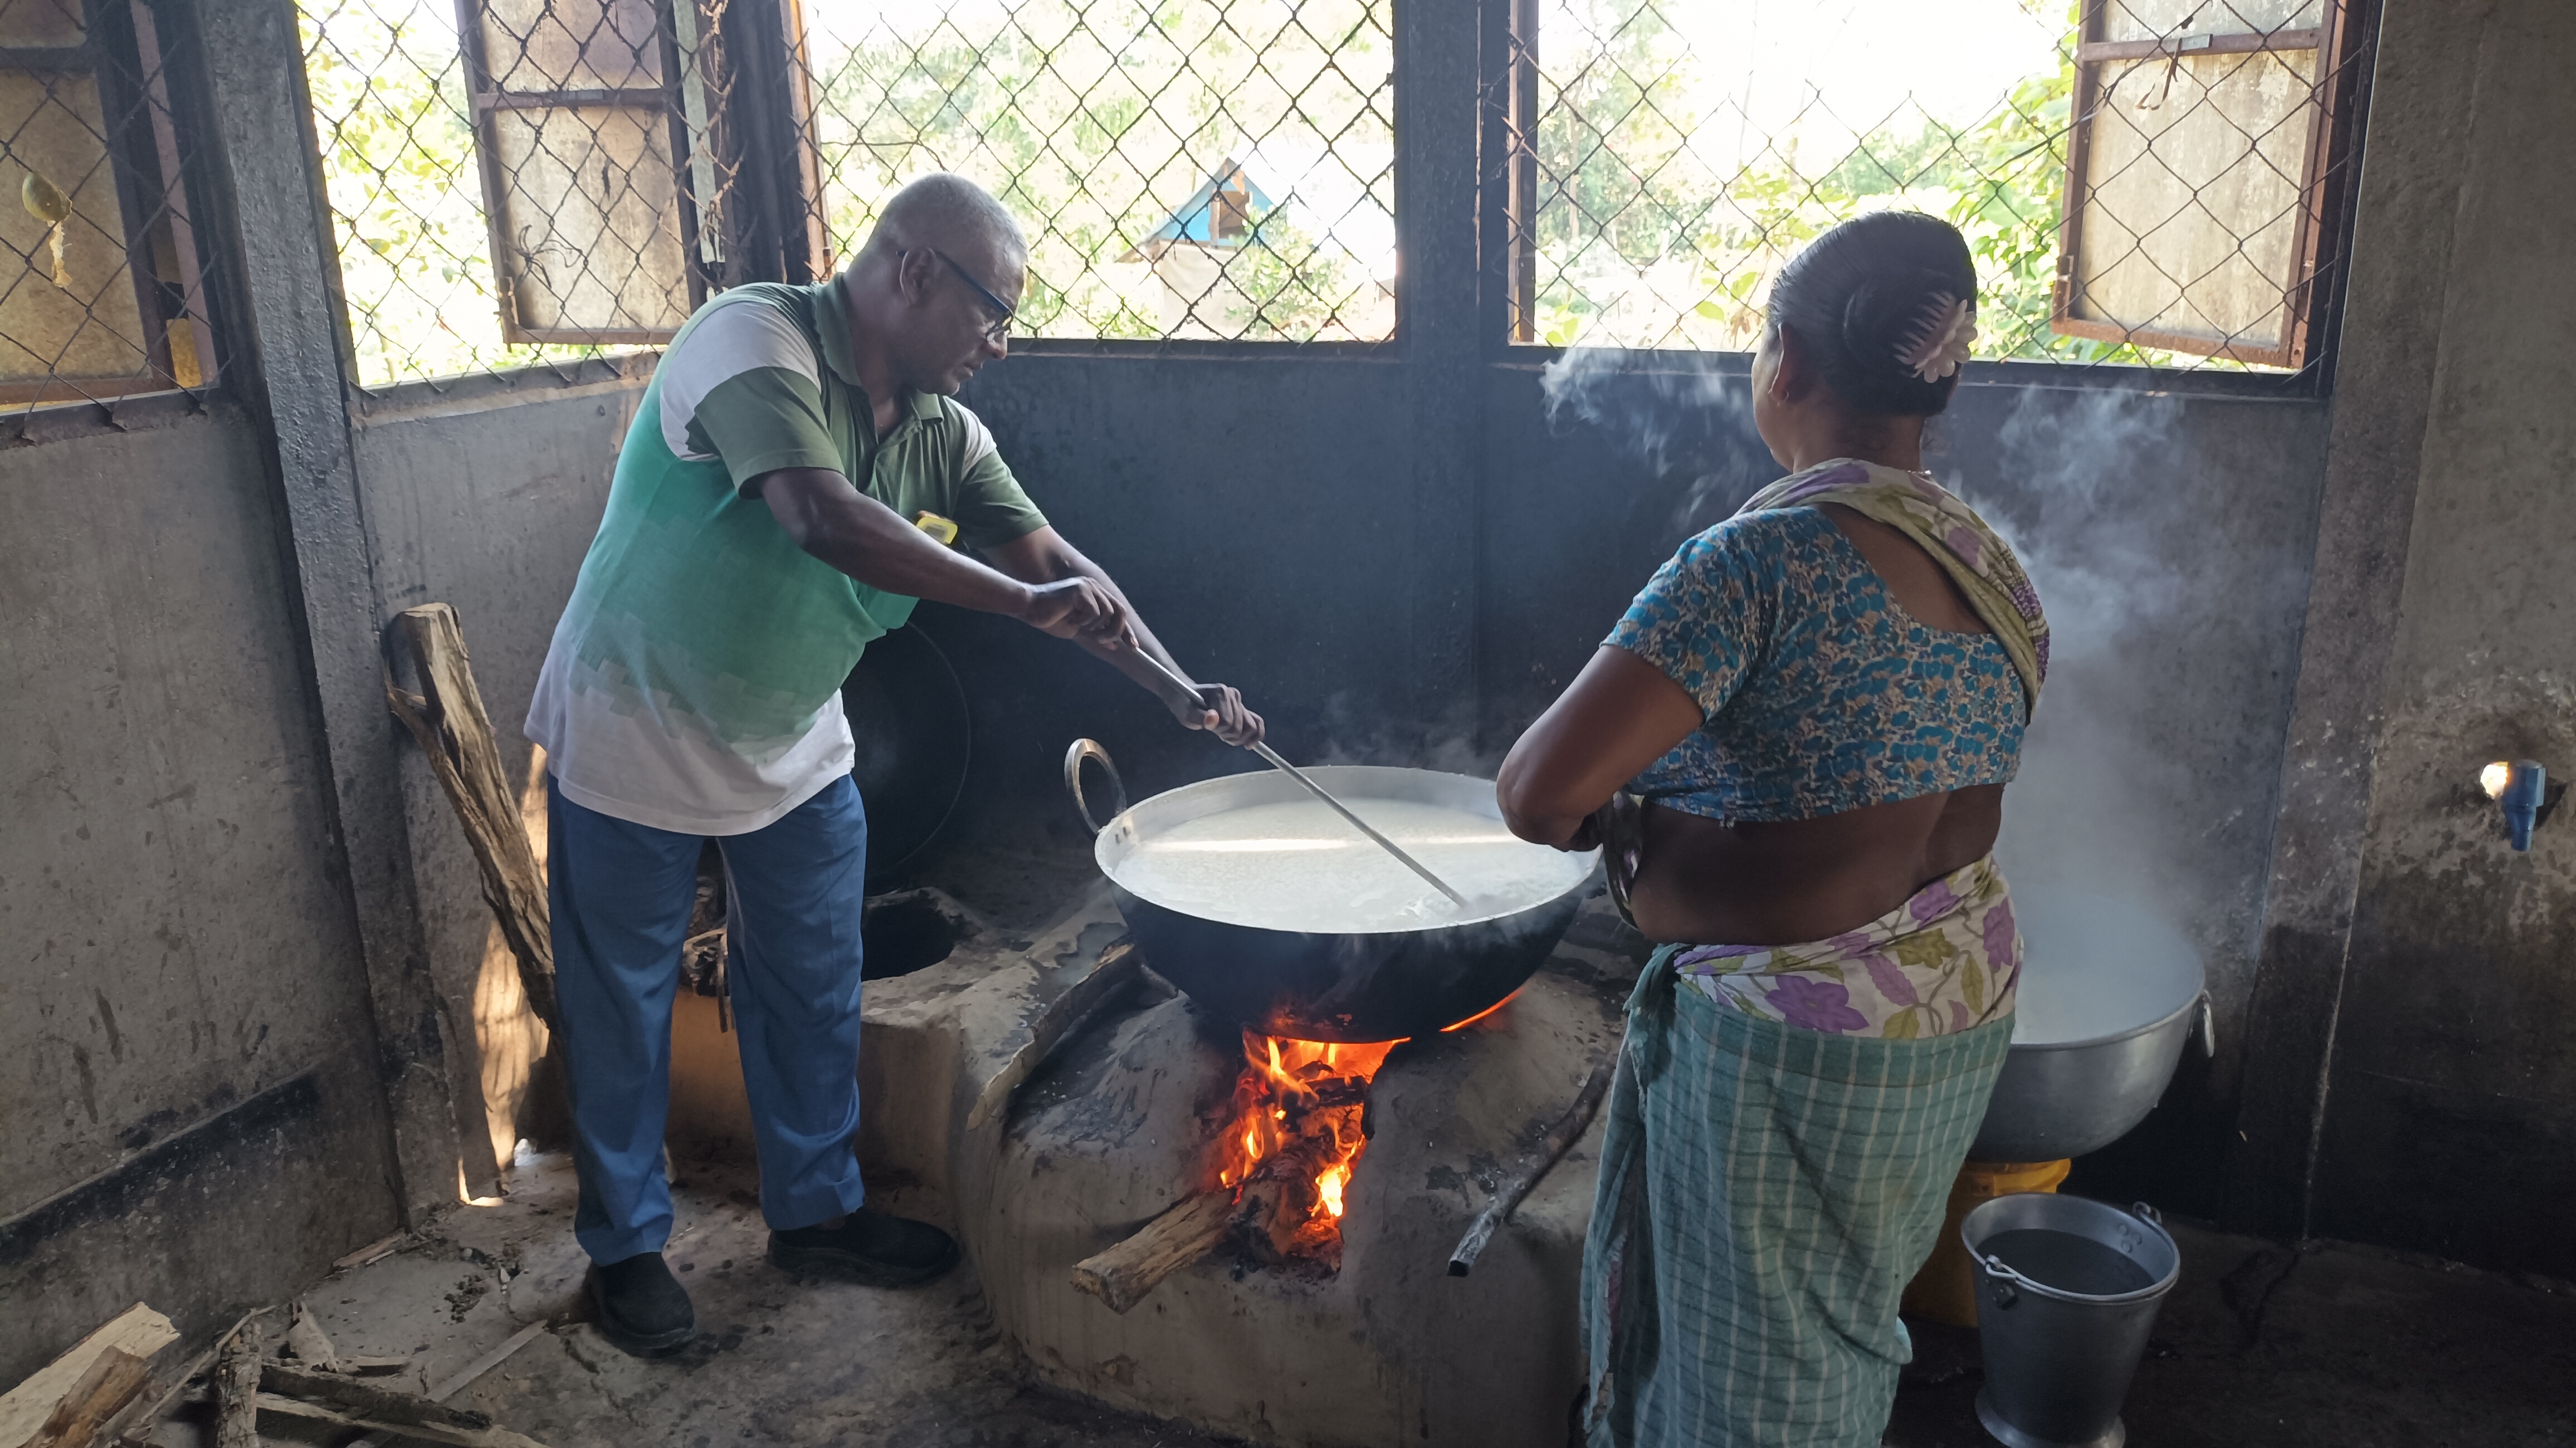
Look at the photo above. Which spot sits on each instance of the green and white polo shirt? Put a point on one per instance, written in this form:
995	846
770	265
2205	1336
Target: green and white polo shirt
694	680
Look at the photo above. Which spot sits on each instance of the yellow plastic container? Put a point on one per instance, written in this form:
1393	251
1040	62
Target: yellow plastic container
1946	1290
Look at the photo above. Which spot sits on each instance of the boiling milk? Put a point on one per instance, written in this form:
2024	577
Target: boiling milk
1297	865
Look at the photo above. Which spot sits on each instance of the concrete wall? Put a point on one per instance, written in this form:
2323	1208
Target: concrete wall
2447	1123
187	1061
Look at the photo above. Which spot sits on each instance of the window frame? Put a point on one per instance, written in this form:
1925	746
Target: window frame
2331	145
122	53
486	99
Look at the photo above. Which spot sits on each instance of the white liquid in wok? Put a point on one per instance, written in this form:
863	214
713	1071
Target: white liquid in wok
1298	866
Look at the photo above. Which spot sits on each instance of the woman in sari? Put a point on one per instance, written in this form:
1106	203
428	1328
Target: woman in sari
1793	750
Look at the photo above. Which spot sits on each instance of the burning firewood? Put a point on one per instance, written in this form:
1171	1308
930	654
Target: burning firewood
1296	1125
1123	1275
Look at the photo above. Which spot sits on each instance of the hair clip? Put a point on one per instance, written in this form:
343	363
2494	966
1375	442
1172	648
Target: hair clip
1940	339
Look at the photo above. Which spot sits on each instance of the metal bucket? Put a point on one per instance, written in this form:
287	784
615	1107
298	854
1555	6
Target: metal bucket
2059	1354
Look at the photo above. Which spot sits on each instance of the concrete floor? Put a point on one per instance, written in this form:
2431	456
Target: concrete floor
2349	1347
777	1361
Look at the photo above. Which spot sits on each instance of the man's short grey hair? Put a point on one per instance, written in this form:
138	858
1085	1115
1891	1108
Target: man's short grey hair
947	210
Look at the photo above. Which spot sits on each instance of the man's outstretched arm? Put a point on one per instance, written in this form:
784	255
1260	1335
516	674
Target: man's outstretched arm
872	543
1044	557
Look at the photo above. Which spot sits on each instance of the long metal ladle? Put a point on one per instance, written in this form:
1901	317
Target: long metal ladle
1271	757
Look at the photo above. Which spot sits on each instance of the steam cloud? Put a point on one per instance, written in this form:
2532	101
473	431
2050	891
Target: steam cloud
2080	484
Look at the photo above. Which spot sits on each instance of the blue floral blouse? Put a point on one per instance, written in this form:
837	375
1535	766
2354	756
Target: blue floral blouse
1818	692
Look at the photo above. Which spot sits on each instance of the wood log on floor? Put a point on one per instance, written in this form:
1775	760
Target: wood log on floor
287	1407
384	1405
114	1378
448	719
1125	1273
23	1409
237	1390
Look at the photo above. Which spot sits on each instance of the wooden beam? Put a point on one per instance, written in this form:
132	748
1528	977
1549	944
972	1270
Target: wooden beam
448	719
286	1407
2243	43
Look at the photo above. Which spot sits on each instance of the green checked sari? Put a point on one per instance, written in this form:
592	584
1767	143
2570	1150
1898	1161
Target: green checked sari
1766	1191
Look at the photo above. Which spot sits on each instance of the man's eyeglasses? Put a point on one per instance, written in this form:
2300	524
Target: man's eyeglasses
999	330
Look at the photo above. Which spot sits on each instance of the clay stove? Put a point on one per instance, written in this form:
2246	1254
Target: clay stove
1308	1200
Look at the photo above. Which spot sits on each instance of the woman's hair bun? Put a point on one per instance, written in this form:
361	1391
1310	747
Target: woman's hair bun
1860	296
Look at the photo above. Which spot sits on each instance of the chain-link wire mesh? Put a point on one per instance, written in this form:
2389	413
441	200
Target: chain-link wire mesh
1672	156
517	181
1206	168
106	296
537	136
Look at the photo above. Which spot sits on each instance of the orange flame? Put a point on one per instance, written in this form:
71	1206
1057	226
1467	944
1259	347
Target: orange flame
1487	1011
1303	1098
1296	1117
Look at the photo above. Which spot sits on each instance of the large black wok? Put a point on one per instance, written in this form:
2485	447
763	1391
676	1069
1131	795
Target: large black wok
1324	986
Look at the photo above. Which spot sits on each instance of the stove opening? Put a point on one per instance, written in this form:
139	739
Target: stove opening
900	934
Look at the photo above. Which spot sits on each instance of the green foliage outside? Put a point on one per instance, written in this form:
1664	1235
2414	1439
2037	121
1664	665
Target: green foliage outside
1094	121
1624	195
398	167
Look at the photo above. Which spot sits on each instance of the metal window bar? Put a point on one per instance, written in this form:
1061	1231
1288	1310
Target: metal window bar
105	293
1650	204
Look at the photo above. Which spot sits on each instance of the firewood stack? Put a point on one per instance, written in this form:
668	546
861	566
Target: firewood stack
274	1366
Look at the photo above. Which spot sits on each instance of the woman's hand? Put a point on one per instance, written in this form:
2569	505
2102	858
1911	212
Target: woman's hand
1618	716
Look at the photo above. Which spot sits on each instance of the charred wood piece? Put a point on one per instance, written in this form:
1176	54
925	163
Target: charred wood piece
237	1390
1125	1273
383	1405
1560	1137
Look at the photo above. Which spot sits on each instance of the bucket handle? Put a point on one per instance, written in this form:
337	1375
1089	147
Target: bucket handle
2208	1028
2007	1284
1090	749
2141	1209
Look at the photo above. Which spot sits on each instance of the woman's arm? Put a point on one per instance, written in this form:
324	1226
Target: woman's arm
1618	716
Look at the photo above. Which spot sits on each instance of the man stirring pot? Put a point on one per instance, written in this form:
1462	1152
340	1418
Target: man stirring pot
766	521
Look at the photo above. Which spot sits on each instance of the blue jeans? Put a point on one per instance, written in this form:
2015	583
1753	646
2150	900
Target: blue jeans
620	895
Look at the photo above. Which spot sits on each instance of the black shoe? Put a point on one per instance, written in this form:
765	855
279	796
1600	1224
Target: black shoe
642	1307
869	1248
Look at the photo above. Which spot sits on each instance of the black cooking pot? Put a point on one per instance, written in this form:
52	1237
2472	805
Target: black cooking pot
913	741
1324	985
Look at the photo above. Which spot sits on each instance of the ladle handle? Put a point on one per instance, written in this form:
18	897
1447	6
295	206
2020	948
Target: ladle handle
1272	757
1073	758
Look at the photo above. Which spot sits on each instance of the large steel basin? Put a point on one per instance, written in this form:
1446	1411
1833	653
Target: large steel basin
2109	994
1327	985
